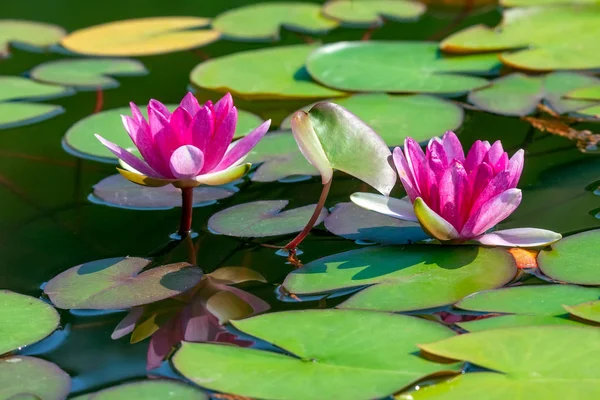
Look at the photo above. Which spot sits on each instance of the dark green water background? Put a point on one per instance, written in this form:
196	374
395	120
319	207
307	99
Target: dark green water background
47	224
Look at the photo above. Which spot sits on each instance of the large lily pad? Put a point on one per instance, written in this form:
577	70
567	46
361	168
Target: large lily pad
530	299
262	219
353	222
589	311
369	13
81	142
514	320
273	73
87	74
397	67
526	362
405	278
396	117
147	390
573	259
544	38
30	376
141	37
30	33
25	320
531	3
116	191
262	21
334	354
119	283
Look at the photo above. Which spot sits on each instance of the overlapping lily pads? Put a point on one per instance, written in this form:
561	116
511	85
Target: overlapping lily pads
369	13
119	282
573	259
513	321
25	320
29	33
32	378
397	67
405	278
537	38
526	362
273	73
262	21
142	37
589	311
87	74
261	219
369	363
147	390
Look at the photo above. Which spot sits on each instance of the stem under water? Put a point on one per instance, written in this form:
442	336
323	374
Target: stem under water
187	202
313	219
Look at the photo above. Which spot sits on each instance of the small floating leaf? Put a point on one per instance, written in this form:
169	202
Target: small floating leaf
147	390
13	114
369	13
262	219
30	33
22	375
141	37
512	321
369	363
403	278
119	283
589	311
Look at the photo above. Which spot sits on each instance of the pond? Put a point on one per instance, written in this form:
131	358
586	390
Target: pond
103	294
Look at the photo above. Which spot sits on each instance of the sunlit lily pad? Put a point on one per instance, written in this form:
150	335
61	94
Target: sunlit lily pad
532	3
19	88
513	321
22	375
272	73
397	67
87	74
405	278
537	38
147	390
116	191
573	259
30	33
119	283
396	117
81	142
25	320
526	362
326	362
584	95
142	37
262	21
368	13
262	219
353	222
589	311
530	299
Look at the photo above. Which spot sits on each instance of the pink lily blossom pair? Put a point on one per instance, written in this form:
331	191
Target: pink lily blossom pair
457	198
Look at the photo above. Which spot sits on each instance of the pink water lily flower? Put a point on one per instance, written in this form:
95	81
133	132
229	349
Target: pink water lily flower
189	147
458	198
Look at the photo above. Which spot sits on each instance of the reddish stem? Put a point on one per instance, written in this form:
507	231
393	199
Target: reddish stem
187	202
369	32
99	100
313	219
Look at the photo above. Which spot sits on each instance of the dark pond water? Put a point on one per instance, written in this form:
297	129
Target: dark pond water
47	223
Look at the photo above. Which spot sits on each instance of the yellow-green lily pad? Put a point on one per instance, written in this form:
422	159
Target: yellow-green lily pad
369	13
30	33
156	389
589	311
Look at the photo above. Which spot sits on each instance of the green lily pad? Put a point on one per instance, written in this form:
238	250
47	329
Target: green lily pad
25	320
573	259
280	158
592	92
369	13
147	390
30	33
262	21
512	321
543	38
355	223
589	311
396	117
335	354
533	3
397	67
141	37
87	74
273	73
22	375
526	362
81	142
19	113
529	299
119	283
262	219
405	278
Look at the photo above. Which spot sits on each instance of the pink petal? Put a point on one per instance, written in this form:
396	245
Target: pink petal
222	108
127	324
240	148
479	179
437	160
405	174
180	121
453	148
494	153
417	163
129	158
137	114
453	190
520	237
475	155
162	341
515	168
501	164
159	107
491	213
497	185
201	128
220	141
186	162
142	138
190	104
